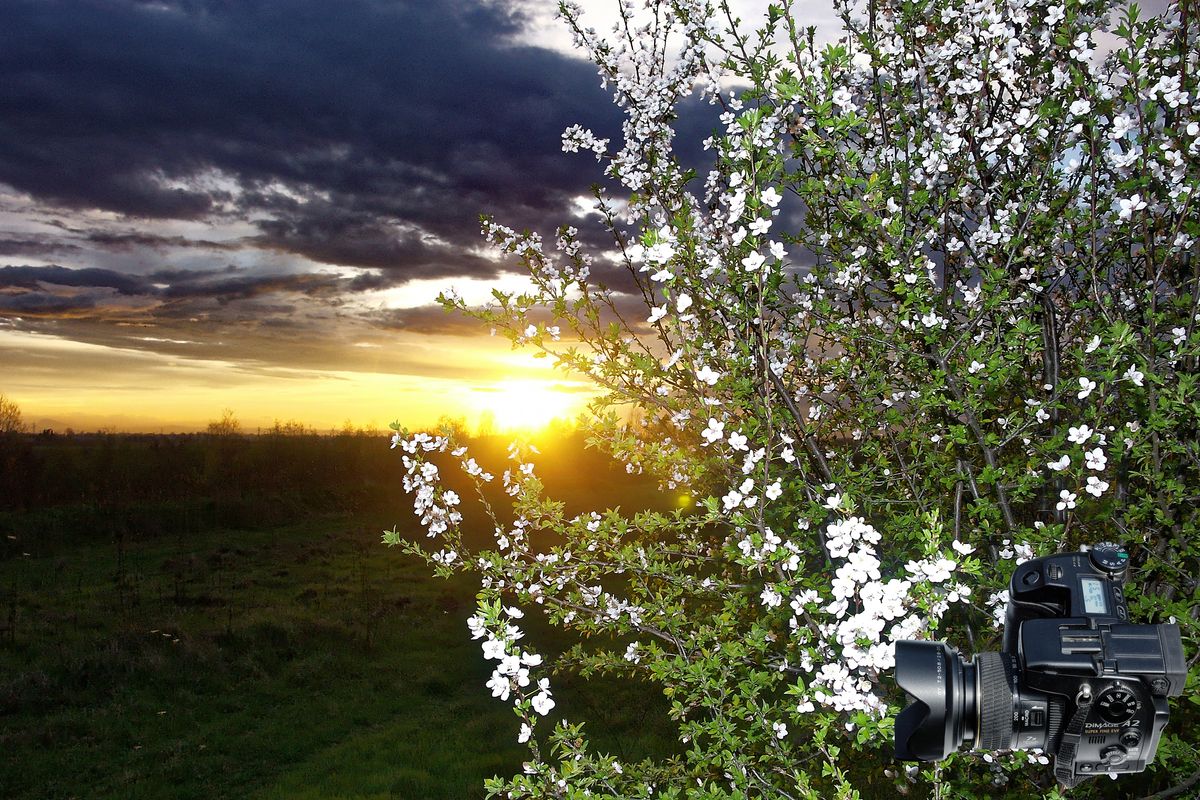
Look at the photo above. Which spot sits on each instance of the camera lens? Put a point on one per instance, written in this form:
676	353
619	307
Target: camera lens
942	685
954	701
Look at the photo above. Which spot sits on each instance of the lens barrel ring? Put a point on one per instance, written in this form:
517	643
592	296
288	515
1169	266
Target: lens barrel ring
995	702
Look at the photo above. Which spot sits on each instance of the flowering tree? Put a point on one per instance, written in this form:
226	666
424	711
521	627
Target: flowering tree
931	311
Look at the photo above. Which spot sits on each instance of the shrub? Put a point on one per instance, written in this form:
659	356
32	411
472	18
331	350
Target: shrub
931	311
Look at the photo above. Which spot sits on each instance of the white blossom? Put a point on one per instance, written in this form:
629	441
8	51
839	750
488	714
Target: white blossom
713	432
1080	434
753	262
707	375
1130	205
542	702
771	598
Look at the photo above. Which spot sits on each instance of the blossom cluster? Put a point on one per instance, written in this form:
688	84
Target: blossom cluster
434	507
510	677
865	614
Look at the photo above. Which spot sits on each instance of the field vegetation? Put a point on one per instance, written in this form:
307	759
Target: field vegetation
214	616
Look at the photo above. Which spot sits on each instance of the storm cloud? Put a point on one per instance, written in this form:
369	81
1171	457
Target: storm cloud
340	123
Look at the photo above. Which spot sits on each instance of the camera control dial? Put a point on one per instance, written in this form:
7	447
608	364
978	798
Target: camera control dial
1117	705
1110	557
1114	756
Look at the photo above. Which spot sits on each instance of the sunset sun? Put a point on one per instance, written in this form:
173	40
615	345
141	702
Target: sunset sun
526	404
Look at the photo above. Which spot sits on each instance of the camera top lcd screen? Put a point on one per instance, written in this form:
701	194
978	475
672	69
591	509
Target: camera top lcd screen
1093	596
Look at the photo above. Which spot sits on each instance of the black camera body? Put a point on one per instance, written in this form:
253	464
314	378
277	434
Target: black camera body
1074	678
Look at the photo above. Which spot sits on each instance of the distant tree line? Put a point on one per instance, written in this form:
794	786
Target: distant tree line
137	484
108	469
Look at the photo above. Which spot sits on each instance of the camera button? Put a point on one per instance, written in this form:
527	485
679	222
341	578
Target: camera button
1114	756
1131	738
1031	577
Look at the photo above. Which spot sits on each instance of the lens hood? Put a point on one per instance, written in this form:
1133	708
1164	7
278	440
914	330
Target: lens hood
943	694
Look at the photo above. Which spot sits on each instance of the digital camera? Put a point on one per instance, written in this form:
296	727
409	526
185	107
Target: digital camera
1075	677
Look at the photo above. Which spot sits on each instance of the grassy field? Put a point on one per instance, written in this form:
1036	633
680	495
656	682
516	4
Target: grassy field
294	662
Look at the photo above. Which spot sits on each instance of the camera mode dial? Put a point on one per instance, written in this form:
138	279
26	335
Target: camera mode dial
1110	557
1117	705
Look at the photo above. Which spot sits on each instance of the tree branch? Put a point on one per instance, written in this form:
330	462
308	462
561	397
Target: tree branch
1177	789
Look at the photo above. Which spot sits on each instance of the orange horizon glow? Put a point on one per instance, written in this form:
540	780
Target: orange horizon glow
88	387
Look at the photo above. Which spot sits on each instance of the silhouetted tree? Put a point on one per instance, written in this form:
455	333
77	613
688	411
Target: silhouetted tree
227	425
10	416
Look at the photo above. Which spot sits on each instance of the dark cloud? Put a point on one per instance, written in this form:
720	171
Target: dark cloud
242	287
333	235
245	347
230	295
34	246
435	319
33	277
405	110
45	304
132	240
426	319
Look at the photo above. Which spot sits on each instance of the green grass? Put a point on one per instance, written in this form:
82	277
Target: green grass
300	662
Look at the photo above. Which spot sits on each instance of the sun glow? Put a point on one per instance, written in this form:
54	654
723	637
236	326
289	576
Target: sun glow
515	404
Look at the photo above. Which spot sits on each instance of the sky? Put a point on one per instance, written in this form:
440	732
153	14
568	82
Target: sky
252	204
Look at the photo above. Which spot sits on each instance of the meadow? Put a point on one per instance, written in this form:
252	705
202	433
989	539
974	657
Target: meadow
211	617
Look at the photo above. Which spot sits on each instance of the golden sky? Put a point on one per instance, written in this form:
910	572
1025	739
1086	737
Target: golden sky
63	383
